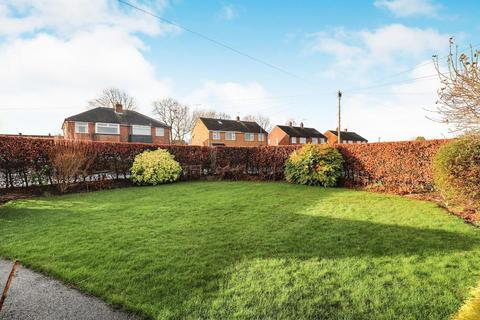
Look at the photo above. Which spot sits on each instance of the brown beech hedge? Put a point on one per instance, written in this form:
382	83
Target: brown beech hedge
399	167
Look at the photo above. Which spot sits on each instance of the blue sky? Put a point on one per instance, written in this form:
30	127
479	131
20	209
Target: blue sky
56	55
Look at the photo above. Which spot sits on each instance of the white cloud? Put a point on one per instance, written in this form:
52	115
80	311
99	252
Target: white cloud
228	12
18	17
397	112
49	75
359	51
231	97
406	8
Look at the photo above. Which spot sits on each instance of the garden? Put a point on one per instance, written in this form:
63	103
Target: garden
233	239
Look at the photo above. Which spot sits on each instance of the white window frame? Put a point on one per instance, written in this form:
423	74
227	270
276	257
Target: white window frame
230	135
261	137
322	140
79	125
107	125
293	140
250	135
138	130
314	140
216	135
303	140
159	132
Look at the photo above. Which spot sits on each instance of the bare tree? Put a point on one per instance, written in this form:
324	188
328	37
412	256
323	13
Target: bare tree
263	121
459	96
175	115
110	97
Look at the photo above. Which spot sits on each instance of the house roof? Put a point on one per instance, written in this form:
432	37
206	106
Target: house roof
301	132
232	125
349	135
108	115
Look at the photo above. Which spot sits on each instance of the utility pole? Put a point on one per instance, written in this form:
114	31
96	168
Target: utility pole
339	140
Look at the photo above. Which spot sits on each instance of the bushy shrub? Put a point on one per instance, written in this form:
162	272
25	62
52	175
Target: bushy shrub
457	173
314	165
155	167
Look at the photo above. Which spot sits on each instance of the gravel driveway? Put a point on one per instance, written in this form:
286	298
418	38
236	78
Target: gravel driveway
35	296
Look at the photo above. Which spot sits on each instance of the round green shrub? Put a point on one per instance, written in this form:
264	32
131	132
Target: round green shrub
456	170
314	165
155	167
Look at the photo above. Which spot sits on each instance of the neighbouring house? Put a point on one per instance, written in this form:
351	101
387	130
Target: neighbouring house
230	133
115	125
345	137
288	135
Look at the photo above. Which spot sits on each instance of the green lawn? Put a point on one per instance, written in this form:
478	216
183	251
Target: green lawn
250	250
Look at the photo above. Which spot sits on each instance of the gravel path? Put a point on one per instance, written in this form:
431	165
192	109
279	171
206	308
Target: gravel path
32	296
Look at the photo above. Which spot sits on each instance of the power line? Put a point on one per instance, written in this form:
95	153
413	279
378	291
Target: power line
216	42
421	65
432	76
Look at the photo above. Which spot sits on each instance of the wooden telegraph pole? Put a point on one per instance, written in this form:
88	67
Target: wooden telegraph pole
339	140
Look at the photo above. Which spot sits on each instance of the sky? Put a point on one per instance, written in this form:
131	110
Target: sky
57	55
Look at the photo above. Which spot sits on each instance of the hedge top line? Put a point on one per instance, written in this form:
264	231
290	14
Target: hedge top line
56	139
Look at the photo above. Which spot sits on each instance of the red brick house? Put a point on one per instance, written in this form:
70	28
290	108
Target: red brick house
345	137
230	133
115	125
291	135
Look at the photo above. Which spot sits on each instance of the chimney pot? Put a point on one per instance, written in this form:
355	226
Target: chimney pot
118	108
290	123
238	118
301	124
346	130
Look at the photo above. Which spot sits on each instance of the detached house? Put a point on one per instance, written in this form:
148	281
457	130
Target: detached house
115	125
288	135
230	133
345	137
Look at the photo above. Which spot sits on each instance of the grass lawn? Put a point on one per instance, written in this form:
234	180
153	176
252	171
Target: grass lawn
250	250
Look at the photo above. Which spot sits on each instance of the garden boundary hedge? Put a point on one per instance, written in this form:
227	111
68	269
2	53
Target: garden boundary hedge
399	167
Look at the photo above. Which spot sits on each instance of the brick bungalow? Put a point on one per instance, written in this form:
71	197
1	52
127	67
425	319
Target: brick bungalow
291	135
231	133
115	125
345	137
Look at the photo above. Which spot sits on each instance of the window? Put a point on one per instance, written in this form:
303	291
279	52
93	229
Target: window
261	137
314	140
141	130
350	141
303	140
322	140
81	127
230	135
159	132
107	128
249	136
216	135
294	139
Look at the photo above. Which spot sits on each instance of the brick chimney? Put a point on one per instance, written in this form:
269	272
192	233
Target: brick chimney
290	123
301	125
238	118
118	108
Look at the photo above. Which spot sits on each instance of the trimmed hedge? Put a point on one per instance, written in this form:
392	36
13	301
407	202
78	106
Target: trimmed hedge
398	167
457	173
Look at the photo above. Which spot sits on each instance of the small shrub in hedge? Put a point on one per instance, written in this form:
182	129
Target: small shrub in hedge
155	167
314	165
457	173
